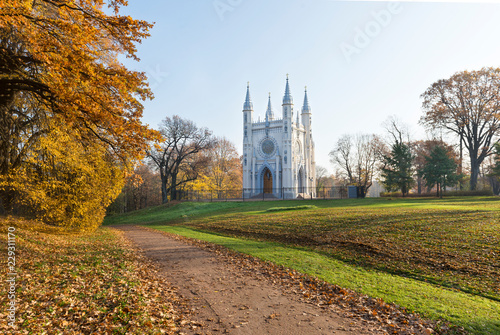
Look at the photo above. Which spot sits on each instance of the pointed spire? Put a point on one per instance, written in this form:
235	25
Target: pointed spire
298	120
306	109
287	99
248	106
269	112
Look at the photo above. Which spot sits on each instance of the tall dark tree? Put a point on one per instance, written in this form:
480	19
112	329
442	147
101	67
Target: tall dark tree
179	158
496	167
494	171
467	104
439	169
397	170
422	150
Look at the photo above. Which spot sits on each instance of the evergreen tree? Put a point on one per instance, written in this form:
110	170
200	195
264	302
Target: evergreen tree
496	167
494	171
397	172
439	169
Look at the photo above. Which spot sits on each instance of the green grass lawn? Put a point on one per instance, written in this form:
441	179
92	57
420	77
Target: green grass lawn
442	255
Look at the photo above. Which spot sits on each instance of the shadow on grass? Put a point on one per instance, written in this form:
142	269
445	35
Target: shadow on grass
177	212
483	326
478	314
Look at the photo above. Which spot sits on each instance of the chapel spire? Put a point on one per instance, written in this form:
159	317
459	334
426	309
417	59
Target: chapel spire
269	112
287	99
306	109
248	106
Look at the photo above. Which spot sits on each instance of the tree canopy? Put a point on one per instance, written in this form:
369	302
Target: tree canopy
468	105
180	157
356	157
422	150
439	169
397	172
62	86
63	54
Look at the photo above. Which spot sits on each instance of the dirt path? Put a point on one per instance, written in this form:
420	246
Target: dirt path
226	300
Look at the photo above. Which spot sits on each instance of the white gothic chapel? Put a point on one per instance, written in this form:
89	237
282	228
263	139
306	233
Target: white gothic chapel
278	153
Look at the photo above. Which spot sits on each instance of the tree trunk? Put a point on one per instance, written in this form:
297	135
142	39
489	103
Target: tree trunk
460	170
173	187
6	201
495	184
474	173
164	193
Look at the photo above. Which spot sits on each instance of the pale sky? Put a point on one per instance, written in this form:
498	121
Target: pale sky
361	61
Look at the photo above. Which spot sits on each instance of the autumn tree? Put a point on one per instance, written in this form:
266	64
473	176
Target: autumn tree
356	157
468	105
142	189
421	150
65	181
322	178
224	169
59	61
180	157
65	55
440	169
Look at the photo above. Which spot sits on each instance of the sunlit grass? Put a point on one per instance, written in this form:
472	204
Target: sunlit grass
420	246
477	314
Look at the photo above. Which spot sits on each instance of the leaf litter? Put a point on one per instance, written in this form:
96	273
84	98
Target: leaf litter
96	283
381	316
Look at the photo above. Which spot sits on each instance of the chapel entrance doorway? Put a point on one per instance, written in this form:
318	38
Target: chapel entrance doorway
268	181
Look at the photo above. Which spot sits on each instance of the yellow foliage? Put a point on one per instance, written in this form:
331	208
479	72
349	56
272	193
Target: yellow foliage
223	171
66	182
70	112
203	183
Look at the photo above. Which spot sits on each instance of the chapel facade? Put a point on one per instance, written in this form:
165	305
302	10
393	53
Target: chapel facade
278	153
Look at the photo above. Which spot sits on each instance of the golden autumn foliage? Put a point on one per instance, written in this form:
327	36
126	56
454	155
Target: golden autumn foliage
66	183
69	110
223	171
65	53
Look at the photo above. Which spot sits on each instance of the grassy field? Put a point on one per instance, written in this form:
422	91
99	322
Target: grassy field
93	283
443	255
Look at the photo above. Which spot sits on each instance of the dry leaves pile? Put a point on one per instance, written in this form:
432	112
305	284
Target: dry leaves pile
92	284
379	315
